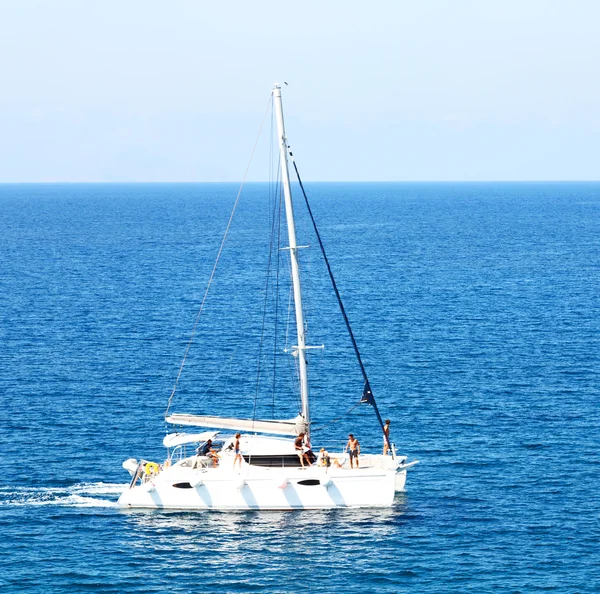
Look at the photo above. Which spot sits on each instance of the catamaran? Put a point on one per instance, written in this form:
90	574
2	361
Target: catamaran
250	464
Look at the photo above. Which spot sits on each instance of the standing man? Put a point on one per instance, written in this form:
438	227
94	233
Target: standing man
386	437
353	448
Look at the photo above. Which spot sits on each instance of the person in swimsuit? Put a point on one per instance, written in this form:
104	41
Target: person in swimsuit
324	459
386	437
353	448
238	454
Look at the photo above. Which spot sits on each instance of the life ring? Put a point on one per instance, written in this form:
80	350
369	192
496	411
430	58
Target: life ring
151	468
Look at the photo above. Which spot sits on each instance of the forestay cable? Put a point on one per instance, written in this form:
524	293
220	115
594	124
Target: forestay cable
367	394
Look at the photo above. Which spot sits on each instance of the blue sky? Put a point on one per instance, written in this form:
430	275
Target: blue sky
390	90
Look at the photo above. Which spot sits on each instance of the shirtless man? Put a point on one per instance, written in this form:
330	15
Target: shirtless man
353	448
386	437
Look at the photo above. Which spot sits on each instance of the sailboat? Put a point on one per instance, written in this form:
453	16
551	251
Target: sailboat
254	464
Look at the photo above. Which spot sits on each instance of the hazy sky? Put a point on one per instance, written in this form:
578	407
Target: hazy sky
392	90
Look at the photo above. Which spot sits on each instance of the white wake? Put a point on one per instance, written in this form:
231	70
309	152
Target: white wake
80	495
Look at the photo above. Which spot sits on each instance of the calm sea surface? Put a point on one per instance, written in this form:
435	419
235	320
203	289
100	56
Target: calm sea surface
476	306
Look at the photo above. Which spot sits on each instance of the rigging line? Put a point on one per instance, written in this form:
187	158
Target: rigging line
221	373
367	395
336	419
271	190
273	195
265	303
294	378
212	274
289	314
292	362
277	288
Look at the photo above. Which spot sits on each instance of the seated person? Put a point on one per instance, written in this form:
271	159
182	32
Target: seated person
205	448
302	446
208	451
324	459
308	455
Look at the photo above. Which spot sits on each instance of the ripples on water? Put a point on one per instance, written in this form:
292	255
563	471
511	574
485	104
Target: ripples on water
477	309
82	544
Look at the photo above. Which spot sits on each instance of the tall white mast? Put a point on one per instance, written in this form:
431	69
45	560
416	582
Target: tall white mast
293	247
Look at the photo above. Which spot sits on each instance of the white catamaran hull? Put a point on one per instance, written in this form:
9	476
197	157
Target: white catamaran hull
256	488
236	492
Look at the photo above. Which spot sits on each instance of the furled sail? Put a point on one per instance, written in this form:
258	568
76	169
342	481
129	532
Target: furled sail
283	427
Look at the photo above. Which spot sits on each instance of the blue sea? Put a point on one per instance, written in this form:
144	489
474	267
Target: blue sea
477	310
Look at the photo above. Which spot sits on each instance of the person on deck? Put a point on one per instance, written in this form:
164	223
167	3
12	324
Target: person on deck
203	450
237	451
326	460
386	437
302	447
353	448
323	459
309	457
208	451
